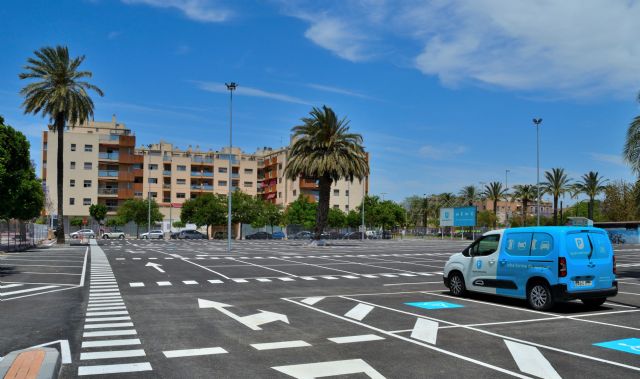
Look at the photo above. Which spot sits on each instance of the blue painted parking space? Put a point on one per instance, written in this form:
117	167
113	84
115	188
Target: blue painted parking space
628	345
434	305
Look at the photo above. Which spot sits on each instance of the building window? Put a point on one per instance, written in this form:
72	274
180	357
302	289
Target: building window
222	183
346	192
248	171
279	166
44	146
248	184
294	193
336	206
86	201
72	165
336	192
181	181
87	184
88	148
153	166
181	168
72	183
137	194
153	180
279	180
44	165
222	170
88	165
136	166
346	207
73	147
153	194
72	201
279	195
180	195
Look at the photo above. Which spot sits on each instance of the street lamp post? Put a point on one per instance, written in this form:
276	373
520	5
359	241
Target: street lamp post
231	87
506	189
425	215
364	230
148	213
537	122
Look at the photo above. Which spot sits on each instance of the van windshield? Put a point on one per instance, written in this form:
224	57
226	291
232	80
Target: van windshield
587	245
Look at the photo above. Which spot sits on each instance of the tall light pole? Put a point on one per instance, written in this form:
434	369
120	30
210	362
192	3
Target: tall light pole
537	122
506	189
231	87
149	214
364	230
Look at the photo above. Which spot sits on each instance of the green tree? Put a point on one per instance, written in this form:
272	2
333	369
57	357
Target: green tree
114	222
98	212
494	192
354	219
137	210
415	207
525	193
268	214
619	202
631	150
20	191
76	221
591	184
205	210
60	93
557	183
245	209
337	218
179	224
469	194
325	149
301	212
487	219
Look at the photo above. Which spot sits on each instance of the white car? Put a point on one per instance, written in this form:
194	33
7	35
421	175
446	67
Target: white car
116	233
88	233
154	234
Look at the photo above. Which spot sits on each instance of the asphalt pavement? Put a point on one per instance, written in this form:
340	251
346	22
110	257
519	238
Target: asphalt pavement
281	309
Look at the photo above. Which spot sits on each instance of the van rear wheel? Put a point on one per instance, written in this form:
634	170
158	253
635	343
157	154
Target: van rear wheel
539	297
594	303
456	284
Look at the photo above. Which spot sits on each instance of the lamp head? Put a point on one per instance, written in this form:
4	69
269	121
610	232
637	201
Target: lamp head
231	86
537	121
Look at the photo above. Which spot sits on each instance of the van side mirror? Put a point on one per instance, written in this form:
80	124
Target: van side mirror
467	252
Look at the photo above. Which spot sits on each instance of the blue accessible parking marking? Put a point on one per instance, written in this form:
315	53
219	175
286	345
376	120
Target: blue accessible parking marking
434	305
629	345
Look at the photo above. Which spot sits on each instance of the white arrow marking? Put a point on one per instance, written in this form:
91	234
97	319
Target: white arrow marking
252	321
65	352
156	266
359	312
425	330
333	368
531	361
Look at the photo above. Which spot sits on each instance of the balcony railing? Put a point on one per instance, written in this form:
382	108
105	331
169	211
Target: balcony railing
109	137
107	191
166	200
166	158
112	156
201	160
196	173
112	208
166	172
166	186
209	174
108	173
202	187
235	175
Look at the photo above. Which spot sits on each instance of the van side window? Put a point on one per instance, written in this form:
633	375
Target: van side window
486	245
541	245
601	245
518	244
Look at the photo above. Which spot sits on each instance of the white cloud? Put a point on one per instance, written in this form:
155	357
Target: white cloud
338	90
336	36
198	10
249	91
608	158
441	152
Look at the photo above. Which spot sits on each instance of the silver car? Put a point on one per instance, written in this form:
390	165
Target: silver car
154	234
88	233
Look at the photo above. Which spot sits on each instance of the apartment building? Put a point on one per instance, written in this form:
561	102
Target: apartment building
102	165
509	209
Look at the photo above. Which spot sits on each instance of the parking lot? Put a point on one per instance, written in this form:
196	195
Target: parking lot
281	309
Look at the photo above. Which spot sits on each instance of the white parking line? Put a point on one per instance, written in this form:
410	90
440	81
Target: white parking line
353	339
279	345
194	352
105	343
113	369
110	333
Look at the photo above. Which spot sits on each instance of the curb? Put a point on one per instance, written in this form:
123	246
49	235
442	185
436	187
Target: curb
49	368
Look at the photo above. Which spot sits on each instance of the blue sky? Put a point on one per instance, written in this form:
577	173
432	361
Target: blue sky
443	92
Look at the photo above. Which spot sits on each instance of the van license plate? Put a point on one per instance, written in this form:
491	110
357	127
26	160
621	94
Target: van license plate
583	283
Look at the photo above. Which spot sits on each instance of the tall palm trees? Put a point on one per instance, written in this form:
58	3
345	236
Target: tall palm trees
525	193
632	145
469	194
494	192
591	185
557	184
59	92
324	149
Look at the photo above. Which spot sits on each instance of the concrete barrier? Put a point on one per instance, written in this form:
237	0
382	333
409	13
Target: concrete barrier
38	363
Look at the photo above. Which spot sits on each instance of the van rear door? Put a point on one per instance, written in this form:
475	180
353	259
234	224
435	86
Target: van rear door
589	260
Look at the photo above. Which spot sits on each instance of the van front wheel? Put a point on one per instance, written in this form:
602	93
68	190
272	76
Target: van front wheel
539	297
594	303
456	284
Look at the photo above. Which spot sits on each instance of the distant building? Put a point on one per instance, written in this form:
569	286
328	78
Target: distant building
510	209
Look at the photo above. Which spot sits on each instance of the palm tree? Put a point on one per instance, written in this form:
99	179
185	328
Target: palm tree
524	193
469	194
324	149
632	145
60	93
494	192
591	185
557	184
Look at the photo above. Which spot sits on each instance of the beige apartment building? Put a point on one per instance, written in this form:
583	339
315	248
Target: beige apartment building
104	166
509	209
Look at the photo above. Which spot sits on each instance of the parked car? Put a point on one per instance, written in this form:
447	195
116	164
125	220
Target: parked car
353	236
386	235
190	235
259	236
543	265
304	235
277	236
88	233
115	233
154	234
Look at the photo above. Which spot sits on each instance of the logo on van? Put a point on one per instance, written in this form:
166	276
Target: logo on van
579	243
479	264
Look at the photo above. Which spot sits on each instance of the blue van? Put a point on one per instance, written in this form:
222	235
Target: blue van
543	265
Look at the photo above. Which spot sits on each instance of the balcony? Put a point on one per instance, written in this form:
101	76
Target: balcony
207	187
110	138
112	208
166	200
107	191
202	160
196	173
166	186
108	173
108	156
166	158
308	184
166	172
235	175
207	174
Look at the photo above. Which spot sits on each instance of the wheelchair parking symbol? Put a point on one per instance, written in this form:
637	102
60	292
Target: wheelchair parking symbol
629	345
434	305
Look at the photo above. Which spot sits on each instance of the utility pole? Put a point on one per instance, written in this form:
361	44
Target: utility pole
149	214
506	190
537	122
231	87
364	230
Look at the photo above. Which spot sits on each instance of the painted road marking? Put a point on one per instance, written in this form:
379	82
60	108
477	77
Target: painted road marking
110	333
99	319
27	290
215	281
263	280
425	330
136	284
308	278
252	321
628	345
352	339
332	368
434	305
194	352
109	325
113	369
109	313
279	345
531	361
359	312
189	282
286	279
312	300
104	343
164	283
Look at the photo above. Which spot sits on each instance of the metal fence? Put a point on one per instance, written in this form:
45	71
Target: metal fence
18	235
